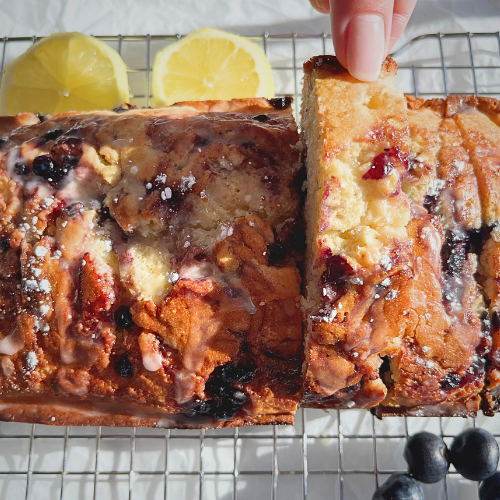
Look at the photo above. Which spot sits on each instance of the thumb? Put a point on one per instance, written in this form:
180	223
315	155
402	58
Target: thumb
361	33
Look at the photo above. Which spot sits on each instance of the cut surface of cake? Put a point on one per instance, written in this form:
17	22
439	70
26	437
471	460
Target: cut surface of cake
395	317
148	266
356	135
465	199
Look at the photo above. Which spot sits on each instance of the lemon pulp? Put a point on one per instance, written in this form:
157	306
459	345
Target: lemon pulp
211	64
65	72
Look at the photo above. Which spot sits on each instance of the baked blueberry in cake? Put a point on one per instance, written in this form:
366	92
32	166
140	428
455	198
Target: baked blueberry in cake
148	266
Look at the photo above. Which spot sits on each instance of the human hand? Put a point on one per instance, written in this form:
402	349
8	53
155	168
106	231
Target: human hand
365	31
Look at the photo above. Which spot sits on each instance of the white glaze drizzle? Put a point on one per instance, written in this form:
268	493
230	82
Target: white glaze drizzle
12	343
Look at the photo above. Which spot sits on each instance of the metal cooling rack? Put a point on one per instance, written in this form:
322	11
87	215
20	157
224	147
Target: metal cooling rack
340	455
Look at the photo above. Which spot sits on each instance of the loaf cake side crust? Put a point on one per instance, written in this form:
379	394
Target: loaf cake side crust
149	260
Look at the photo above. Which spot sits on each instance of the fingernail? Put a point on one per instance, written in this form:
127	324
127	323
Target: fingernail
365	46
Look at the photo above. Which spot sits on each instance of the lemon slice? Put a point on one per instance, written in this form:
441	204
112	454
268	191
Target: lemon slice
211	64
64	72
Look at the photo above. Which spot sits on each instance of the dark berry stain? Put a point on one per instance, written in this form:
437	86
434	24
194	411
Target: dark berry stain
74	209
201	142
384	163
53	135
485	323
67	151
200	257
104	213
298	241
262	118
124	367
473	374
451	381
337	268
21	169
495	320
335	277
4	244
476	239
454	252
431	204
277	253
456	247
123	318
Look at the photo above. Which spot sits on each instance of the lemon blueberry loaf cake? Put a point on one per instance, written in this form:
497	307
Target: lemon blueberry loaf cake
150	259
148	266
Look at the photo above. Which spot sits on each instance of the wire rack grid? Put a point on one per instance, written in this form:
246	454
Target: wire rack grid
342	455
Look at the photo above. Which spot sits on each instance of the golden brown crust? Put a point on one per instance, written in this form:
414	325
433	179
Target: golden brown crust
326	65
9	123
53	413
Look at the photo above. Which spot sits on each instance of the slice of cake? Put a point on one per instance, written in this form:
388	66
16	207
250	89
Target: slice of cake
444	347
393	309
359	250
479	123
148	266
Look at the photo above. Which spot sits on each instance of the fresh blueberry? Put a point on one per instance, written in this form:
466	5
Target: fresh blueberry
2	142
277	252
399	486
4	244
427	457
490	488
474	453
123	318
124	367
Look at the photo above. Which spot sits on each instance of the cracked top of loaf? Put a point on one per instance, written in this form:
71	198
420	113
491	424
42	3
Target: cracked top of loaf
148	273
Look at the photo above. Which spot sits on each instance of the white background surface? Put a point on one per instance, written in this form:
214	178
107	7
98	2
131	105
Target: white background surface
130	17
